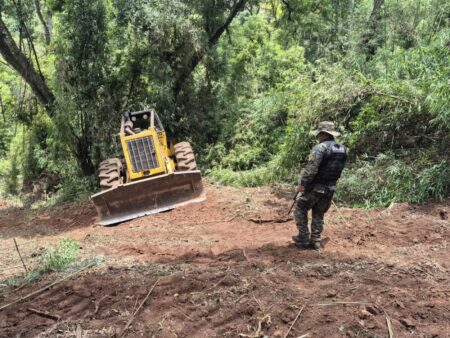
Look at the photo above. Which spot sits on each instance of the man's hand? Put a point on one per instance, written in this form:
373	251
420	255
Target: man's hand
300	188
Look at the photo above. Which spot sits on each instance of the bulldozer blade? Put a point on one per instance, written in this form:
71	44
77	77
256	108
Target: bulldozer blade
148	196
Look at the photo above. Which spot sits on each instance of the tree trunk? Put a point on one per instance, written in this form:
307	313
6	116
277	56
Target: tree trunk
83	155
373	39
288	8
213	39
17	60
2	107
37	4
50	23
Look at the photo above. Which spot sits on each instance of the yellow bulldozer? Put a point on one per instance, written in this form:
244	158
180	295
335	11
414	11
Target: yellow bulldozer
152	175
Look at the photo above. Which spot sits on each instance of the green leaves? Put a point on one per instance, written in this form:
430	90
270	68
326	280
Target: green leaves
389	179
61	256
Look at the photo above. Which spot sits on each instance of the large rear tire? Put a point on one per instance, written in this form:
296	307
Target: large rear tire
109	173
184	157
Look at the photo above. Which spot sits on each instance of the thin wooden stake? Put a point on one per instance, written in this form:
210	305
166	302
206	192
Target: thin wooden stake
18	251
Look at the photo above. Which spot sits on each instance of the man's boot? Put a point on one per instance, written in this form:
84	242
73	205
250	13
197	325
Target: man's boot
315	244
301	240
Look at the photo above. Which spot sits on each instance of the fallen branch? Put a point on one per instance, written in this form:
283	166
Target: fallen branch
295	320
49	331
45	287
217	284
216	221
182	312
160	327
135	312
340	215
342	303
278	220
71	225
97	304
388	321
257	334
257	302
242	296
44	314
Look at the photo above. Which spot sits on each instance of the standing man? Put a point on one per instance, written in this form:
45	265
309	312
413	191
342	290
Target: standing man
318	183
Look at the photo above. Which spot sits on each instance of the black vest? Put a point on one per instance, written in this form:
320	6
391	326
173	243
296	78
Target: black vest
332	164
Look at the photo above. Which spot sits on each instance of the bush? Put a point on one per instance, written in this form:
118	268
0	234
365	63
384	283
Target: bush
12	176
10	167
386	180
248	178
59	257
74	189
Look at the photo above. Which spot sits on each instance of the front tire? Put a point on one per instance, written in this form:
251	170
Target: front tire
184	157
109	173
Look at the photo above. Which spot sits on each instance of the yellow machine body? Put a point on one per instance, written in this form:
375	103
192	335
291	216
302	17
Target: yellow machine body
165	163
152	176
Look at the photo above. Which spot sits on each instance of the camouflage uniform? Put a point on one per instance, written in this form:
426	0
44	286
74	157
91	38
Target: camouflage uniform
318	198
319	177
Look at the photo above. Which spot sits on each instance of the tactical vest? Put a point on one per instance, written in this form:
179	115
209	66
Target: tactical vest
332	164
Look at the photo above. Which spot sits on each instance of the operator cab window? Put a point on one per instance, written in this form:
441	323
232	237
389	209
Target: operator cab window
140	122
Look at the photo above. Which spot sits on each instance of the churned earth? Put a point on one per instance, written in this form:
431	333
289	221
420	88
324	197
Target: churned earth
226	268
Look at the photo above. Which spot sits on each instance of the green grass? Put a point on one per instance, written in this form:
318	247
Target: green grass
61	258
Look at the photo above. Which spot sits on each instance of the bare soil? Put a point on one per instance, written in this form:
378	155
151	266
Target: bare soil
227	268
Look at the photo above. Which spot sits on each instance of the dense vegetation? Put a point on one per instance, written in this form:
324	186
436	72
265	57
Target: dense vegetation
244	80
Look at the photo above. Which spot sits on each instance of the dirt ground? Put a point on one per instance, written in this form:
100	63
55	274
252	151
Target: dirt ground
226	268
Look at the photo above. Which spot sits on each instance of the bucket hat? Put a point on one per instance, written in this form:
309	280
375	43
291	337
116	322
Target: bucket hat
326	127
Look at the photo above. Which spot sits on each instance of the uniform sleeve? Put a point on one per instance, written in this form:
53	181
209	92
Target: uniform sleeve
312	167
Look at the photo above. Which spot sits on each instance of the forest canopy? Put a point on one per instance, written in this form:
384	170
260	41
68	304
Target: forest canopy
244	81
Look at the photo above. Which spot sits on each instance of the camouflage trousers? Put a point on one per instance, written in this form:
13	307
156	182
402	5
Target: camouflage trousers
319	203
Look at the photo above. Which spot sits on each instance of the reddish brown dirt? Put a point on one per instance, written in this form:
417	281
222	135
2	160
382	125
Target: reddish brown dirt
226	268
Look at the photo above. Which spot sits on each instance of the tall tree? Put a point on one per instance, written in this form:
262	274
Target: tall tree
174	38
214	33
84	109
24	66
45	26
373	37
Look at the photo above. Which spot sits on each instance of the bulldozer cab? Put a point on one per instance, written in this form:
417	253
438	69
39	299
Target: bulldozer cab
135	122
